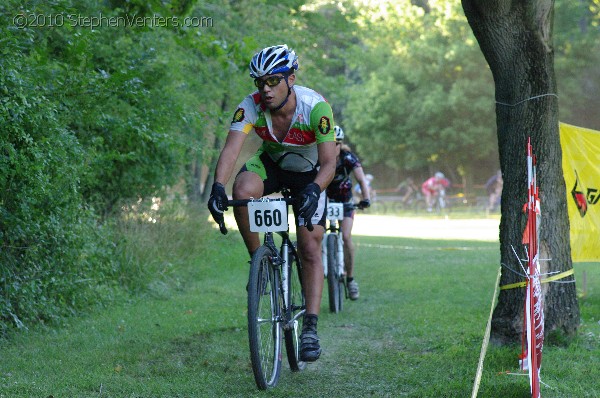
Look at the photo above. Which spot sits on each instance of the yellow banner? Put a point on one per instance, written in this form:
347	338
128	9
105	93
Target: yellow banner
581	168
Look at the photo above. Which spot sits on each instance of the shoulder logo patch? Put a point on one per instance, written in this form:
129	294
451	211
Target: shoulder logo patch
238	116
324	125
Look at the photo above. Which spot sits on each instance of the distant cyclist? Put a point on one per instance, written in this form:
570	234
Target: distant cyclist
407	190
340	190
298	152
493	187
432	187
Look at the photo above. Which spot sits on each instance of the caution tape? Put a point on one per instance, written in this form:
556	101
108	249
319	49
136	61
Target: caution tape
486	339
545	280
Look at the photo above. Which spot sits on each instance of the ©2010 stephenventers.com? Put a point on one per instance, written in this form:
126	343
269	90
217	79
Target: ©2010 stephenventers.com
34	20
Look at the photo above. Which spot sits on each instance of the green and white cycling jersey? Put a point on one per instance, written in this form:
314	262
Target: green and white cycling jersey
312	124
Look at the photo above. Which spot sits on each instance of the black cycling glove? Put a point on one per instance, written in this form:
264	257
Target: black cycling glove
363	204
308	202
217	204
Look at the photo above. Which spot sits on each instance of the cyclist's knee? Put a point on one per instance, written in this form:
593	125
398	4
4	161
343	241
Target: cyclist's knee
247	185
310	251
347	238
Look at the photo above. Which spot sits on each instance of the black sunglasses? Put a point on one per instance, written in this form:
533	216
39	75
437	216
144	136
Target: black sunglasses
271	81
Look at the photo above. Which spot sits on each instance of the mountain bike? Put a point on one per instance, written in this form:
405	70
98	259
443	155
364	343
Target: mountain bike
275	294
332	253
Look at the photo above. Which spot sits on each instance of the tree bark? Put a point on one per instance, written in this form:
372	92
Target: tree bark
194	183
218	143
516	40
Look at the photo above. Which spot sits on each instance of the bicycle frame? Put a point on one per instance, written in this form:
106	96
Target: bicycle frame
332	252
280	256
279	260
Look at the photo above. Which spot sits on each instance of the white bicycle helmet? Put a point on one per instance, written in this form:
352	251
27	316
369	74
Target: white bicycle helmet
439	175
339	133
275	59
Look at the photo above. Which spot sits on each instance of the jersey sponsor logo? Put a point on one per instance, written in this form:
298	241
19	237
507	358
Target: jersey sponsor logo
238	116
298	136
295	136
324	125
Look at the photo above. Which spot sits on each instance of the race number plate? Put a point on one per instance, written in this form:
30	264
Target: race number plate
335	211
268	216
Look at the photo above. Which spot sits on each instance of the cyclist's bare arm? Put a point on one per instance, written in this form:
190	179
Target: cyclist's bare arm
229	154
359	174
327	159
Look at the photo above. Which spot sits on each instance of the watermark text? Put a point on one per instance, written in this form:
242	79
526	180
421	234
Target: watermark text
33	20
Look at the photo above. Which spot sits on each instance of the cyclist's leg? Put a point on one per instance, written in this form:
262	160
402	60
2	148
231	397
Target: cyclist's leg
254	180
346	226
428	198
309	249
247	185
309	244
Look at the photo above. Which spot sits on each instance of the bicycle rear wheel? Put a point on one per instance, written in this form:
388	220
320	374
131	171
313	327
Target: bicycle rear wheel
264	331
294	311
335	292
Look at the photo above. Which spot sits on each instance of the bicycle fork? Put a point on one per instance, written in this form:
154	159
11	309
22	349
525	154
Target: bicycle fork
281	262
337	268
340	256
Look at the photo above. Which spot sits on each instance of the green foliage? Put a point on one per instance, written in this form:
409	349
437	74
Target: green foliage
577	46
53	254
424	83
156	242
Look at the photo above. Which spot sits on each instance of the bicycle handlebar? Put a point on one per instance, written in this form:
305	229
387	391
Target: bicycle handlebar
352	206
244	202
357	206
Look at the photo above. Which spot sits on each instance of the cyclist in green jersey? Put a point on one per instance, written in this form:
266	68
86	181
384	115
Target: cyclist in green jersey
298	153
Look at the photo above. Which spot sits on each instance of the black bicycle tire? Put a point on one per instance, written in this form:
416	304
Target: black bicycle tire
342	291
332	281
266	363
297	304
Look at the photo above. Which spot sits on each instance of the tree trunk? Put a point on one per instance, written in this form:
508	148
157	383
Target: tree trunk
516	40
214	158
194	183
210	177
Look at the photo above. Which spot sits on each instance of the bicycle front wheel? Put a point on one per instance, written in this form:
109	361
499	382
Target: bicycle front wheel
294	312
264	331
335	293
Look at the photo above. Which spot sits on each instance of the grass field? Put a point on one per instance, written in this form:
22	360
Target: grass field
416	331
